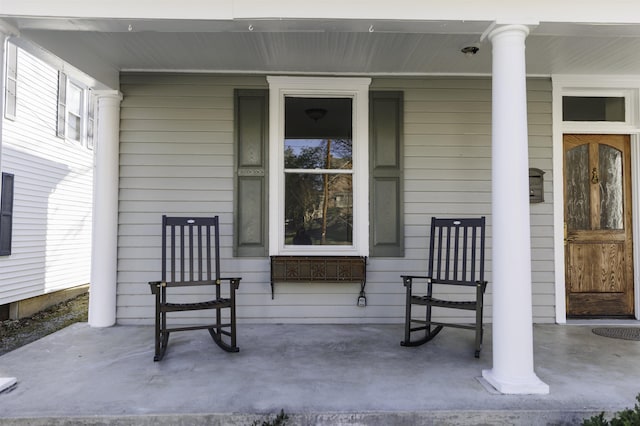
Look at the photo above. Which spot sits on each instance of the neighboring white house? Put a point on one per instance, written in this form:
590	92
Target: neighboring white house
47	167
449	113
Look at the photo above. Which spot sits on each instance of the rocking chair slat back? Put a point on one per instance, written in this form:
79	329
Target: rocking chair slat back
191	257
456	254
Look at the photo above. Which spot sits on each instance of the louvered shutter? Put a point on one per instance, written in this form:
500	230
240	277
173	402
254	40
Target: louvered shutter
6	214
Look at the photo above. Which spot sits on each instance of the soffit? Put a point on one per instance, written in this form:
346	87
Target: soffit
329	46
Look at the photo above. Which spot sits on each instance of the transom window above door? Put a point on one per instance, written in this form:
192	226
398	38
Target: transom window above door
319	166
594	108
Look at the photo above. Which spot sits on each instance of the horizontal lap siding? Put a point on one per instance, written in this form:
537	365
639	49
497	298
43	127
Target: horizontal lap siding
176	157
51	242
448	173
540	156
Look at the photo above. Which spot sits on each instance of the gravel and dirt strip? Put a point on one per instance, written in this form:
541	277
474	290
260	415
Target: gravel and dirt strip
17	333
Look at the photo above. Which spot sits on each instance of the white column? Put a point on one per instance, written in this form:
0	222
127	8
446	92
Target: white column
104	247
512	371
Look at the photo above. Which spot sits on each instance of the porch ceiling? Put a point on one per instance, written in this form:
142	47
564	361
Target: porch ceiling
328	46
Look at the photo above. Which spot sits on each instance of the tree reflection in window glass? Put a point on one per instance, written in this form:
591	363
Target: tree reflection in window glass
318	192
318	171
611	188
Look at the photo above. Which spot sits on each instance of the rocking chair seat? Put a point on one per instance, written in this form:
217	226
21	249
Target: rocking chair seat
432	301
210	304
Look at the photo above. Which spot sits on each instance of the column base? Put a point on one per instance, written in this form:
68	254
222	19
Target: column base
529	386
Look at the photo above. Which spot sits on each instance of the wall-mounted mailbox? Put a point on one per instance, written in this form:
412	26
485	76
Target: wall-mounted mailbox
536	186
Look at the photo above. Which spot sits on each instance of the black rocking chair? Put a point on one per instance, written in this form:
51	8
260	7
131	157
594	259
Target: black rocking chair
456	258
191	257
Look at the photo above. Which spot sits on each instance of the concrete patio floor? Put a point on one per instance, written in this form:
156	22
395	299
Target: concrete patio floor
317	374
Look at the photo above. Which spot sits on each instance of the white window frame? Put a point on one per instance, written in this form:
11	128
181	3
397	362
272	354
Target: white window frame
62	130
81	112
356	89
601	126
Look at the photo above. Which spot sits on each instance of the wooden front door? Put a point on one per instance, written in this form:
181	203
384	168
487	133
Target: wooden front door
597	220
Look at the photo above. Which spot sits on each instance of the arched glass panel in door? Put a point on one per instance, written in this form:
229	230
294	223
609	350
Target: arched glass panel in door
611	188
577	187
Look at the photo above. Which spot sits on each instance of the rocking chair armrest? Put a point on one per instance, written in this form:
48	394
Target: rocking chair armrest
408	279
233	281
415	277
155	286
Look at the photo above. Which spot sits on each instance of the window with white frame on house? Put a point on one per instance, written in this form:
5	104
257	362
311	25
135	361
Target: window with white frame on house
319	153
72	112
11	87
594	108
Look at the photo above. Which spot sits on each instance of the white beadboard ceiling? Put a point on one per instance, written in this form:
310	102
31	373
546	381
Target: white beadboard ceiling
328	46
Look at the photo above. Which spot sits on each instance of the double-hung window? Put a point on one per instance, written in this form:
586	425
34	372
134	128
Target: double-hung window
71	109
74	112
318	153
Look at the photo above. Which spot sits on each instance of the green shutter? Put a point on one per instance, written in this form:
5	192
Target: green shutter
6	214
251	147
386	178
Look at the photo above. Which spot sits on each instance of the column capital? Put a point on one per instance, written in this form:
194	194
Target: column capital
108	94
496	29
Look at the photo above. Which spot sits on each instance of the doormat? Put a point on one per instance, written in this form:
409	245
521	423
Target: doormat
626	333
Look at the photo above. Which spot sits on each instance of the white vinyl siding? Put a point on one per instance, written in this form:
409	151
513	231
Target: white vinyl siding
52	194
177	158
448	173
